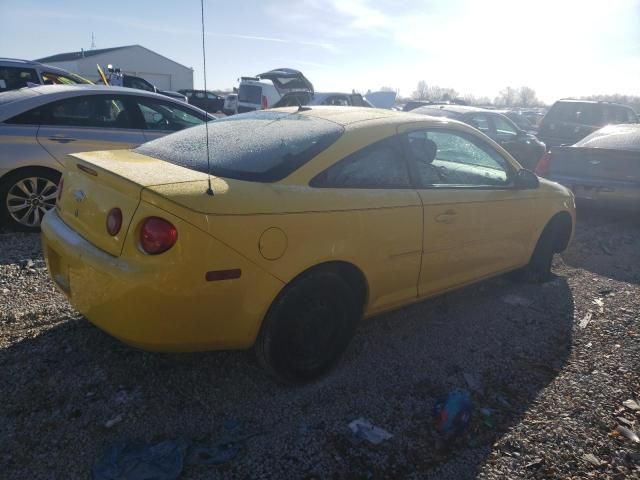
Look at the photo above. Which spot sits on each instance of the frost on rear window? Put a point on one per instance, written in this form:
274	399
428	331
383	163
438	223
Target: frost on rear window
258	146
614	137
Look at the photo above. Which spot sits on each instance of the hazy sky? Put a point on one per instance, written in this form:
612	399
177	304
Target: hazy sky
559	47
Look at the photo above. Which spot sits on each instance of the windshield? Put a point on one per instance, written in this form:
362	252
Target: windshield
263	146
614	138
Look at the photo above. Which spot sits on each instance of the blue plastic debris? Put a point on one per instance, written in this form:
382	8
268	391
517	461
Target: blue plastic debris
452	413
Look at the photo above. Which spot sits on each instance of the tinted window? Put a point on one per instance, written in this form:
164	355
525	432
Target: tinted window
504	128
380	165
12	78
453	158
479	121
250	94
357	101
166	116
262	146
32	117
576	112
101	111
339	100
293	100
139	83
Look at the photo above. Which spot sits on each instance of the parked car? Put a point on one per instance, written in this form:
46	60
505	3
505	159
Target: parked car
207	101
413	104
568	121
315	218
521	120
131	81
295	99
15	74
39	126
525	147
602	168
264	90
230	104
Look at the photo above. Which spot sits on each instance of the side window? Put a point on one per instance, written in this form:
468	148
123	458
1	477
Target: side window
504	128
339	100
12	78
139	83
379	165
49	78
166	116
212	96
631	116
356	101
31	117
98	111
448	158
200	95
479	121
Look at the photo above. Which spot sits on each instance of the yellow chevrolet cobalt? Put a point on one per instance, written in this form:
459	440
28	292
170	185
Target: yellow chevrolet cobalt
295	225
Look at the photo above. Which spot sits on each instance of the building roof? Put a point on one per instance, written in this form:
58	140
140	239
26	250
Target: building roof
69	56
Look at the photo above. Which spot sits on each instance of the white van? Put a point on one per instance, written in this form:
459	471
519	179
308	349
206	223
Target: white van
264	90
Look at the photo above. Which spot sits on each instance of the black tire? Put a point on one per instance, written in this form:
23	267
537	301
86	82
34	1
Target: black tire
308	327
10	197
539	268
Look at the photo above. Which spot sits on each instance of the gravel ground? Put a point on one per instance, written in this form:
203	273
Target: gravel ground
549	366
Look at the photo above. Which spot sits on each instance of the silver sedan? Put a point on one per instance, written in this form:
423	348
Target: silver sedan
39	126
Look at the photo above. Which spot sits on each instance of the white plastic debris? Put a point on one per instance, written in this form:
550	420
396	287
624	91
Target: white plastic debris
365	430
114	421
632	404
516	300
585	320
628	433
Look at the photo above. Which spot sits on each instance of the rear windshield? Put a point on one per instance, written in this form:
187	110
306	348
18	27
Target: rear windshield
250	94
614	138
263	146
576	112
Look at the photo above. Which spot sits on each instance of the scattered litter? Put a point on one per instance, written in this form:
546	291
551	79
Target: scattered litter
598	301
516	300
26	264
585	320
452	413
632	404
630	434
114	421
133	461
536	462
473	381
364	430
589	345
626	421
592	459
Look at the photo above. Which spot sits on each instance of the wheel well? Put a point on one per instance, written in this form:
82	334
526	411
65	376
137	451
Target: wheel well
32	168
349	273
561	224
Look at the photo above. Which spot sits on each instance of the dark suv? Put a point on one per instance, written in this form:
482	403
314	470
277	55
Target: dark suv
568	121
207	101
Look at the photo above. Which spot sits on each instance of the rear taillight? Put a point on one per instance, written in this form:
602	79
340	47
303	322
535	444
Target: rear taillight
114	221
157	235
544	165
265	104
60	187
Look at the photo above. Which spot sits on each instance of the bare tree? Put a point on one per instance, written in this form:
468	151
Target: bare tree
388	89
421	92
527	97
507	97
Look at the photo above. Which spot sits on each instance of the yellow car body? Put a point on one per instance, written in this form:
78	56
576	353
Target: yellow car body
399	245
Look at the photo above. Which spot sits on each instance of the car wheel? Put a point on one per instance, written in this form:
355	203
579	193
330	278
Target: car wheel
308	328
539	268
26	195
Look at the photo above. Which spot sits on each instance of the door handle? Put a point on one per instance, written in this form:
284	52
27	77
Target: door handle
61	139
447	216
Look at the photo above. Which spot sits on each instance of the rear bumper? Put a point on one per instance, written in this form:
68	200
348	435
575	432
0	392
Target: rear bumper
157	307
601	191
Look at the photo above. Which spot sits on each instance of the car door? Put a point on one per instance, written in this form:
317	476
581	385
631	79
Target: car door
162	117
89	122
386	220
476	224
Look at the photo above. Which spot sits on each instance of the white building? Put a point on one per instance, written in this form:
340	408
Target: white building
136	60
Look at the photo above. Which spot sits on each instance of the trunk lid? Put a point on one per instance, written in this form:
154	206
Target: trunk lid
287	80
96	182
595	164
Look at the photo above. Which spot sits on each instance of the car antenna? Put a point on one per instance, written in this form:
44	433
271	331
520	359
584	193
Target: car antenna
206	123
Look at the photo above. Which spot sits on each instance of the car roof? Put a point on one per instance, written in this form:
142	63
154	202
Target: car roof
31	97
605	102
461	109
345	116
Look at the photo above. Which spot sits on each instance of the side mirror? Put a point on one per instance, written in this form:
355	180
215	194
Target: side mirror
526	180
